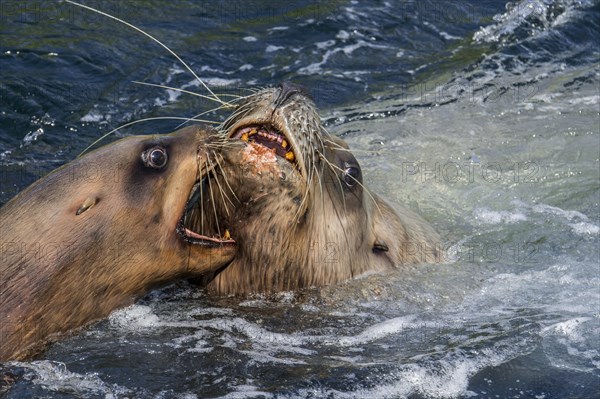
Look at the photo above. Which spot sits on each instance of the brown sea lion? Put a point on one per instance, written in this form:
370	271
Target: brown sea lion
98	232
301	214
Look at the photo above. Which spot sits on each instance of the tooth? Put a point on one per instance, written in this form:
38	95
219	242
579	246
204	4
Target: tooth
227	236
252	132
290	156
245	136
283	143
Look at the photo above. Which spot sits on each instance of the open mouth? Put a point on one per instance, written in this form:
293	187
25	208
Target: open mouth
187	226
267	136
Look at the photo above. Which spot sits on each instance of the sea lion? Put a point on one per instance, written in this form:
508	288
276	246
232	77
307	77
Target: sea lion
99	232
301	214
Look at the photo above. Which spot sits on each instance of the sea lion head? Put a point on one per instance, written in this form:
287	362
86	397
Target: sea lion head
145	185
303	216
100	231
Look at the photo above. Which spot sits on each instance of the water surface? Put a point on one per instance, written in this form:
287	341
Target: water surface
481	116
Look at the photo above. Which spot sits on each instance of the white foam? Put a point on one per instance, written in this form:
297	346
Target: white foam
443	34
449	380
516	16
92	116
254	303
484	215
259	334
210	311
530	15
553	210
569	328
272	48
349	49
261	301
216	82
446	378
54	376
583	228
579	222
343	35
264	357
174	70
589	100
347	359
448	36
309	308
134	317
245	392
233	332
208	68
249	39
159	102
32	136
173	95
557	288
198	336
573	343
325	44
316	67
379	331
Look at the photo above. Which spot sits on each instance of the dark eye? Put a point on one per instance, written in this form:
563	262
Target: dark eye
155	157
351	176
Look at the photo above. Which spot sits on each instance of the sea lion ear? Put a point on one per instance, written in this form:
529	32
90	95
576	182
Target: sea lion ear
87	204
380	246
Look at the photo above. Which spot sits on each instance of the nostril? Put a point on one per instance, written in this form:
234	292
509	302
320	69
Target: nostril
287	90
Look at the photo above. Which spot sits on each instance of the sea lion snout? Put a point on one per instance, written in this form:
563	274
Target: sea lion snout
286	90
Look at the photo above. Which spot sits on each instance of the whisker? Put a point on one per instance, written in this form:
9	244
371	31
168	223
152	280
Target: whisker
354	150
223	104
202	113
214	206
151	37
201	206
356	180
296	217
139	121
221	188
331	166
226	181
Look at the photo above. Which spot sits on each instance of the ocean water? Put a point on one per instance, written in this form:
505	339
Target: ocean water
482	116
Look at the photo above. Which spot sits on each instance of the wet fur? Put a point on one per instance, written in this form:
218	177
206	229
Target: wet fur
303	226
87	265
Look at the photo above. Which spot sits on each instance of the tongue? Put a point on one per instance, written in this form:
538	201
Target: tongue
269	143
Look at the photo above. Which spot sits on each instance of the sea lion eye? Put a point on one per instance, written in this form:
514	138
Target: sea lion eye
351	176
155	157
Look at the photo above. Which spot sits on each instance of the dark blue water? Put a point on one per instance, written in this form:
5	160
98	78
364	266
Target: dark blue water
488	82
61	64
